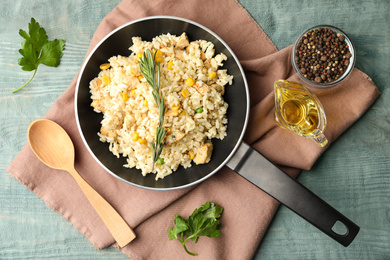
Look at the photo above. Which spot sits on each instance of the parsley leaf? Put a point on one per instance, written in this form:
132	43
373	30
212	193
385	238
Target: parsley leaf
202	222
52	52
37	49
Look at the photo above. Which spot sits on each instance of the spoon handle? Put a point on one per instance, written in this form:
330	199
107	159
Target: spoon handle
117	226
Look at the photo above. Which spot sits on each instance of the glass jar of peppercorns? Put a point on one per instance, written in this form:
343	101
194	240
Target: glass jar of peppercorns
323	56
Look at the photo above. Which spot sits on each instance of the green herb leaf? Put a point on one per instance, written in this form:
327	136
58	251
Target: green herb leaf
202	222
52	52
36	35
36	49
29	61
152	75
180	226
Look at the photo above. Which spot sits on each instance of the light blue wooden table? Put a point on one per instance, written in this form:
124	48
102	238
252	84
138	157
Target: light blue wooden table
353	175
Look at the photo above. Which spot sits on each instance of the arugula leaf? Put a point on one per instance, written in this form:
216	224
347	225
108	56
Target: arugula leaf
36	49
202	222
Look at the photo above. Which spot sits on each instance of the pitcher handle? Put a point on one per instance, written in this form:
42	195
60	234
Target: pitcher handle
320	138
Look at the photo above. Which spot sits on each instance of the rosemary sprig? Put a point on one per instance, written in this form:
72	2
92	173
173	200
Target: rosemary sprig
148	69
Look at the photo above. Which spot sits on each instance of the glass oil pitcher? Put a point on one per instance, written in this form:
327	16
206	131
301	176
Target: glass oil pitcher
300	111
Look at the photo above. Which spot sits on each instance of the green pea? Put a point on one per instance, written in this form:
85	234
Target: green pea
199	110
160	161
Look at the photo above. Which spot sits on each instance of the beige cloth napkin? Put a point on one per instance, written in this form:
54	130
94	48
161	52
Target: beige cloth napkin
247	210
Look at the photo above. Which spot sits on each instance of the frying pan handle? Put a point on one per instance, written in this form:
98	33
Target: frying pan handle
254	167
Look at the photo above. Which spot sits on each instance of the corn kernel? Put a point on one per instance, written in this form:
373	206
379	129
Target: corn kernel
183	113
132	92
105	66
139	55
140	77
135	136
185	93
146	103
189	82
141	141
191	154
106	80
170	65
212	74
175	108
125	97
159	56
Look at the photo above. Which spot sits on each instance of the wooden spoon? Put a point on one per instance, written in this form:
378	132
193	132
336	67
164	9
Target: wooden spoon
53	146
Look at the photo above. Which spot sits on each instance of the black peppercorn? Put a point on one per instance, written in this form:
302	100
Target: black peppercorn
322	55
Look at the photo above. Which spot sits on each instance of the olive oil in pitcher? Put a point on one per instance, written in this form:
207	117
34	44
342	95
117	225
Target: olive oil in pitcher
300	111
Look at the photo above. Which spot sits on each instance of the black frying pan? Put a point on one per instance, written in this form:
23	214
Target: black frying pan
231	151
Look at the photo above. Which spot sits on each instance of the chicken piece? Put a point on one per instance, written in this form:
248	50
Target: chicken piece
129	121
135	70
190	48
108	133
203	154
168	51
178	136
99	105
182	41
98	83
207	63
202	87
132	80
179	55
219	88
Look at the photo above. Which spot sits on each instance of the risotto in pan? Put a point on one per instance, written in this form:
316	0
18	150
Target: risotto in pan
192	86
